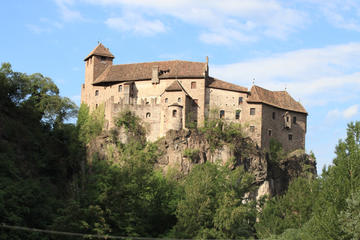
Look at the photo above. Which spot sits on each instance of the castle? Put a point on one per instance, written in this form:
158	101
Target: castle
178	94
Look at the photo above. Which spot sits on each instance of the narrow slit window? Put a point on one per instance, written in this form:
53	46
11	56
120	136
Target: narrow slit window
179	99
273	115
240	100
174	112
166	100
294	120
120	88
270	132
96	92
237	114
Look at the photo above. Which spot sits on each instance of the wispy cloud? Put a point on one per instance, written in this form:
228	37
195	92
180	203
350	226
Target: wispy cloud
317	76
222	22
131	22
66	12
346	113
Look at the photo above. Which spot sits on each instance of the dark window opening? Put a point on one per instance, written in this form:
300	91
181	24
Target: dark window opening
166	100
240	100
237	114
174	113
273	115
290	137
179	99
103	58
96	92
270	132
96	106
222	113
148	115
287	118
193	85
294	119
120	88
252	111
252	128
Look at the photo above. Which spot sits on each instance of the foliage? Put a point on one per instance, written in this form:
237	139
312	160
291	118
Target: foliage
192	154
213	206
350	217
276	151
217	132
132	125
90	125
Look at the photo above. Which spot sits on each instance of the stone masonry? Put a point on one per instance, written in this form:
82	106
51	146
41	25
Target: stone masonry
172	95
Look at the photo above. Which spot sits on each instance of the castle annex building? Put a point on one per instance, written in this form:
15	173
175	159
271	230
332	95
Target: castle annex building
177	94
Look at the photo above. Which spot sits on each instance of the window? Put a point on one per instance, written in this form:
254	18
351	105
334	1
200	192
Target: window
273	115
294	120
287	118
148	115
270	132
174	113
252	128
166	100
290	137
237	114
120	88
193	85
103	58
240	100
96	92
179	99
222	113
96	106
252	111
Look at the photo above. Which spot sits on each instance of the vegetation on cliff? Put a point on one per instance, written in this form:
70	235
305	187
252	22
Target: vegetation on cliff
46	182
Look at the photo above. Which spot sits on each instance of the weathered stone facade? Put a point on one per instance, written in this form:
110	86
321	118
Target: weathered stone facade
172	95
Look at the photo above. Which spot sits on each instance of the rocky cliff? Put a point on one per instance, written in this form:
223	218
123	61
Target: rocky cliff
181	150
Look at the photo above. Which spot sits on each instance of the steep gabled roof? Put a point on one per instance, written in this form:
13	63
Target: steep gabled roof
279	99
174	86
219	84
143	71
100	50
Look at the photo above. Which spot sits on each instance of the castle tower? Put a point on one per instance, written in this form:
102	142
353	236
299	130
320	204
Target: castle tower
174	117
95	63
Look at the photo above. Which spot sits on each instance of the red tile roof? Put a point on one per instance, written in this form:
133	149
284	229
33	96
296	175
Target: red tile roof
143	71
219	84
279	99
100	50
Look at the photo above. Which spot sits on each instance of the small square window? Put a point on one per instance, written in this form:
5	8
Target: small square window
252	128
290	137
193	85
252	111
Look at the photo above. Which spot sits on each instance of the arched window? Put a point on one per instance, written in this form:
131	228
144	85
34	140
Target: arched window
222	113
148	115
179	99
120	88
166	100
96	92
174	113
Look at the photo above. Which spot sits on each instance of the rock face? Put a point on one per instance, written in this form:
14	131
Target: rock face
181	150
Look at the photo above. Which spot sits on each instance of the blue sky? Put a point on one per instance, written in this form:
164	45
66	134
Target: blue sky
309	47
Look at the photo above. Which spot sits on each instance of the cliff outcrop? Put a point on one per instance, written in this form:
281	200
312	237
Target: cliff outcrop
181	150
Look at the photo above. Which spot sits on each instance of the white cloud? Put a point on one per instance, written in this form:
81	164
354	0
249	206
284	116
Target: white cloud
222	22
318	76
136	23
351	111
341	13
66	13
346	113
